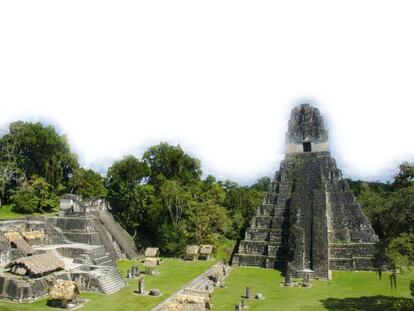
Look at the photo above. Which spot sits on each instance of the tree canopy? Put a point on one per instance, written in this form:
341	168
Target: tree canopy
171	162
390	207
37	165
163	200
87	183
38	150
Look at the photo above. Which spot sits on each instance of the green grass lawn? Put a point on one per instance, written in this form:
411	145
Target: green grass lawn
174	274
7	213
346	292
358	291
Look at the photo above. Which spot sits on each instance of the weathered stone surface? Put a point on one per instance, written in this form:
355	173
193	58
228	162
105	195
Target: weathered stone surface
155	292
310	218
306	125
258	296
141	286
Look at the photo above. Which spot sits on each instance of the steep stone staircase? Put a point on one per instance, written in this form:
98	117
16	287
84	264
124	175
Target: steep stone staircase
264	238
124	240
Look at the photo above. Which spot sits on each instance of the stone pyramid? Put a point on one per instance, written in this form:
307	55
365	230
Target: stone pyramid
309	220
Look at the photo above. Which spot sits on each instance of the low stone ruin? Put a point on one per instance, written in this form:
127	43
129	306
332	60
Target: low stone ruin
304	280
189	301
133	272
153	253
205	252
191	252
194	252
90	222
150	265
246	297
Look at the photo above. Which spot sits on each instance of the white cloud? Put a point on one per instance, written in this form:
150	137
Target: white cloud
218	77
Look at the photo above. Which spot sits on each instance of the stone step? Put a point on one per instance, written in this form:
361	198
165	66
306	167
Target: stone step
112	289
102	260
263	234
84	259
109	285
273	249
267	222
254	260
109	262
270	198
110	281
259	247
281	201
266	209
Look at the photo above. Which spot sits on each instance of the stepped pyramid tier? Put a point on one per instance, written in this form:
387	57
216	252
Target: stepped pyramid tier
309	219
81	243
90	221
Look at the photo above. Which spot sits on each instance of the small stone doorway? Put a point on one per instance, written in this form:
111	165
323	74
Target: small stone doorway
307	147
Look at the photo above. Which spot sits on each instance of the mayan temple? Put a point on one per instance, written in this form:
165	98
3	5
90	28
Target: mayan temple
309	220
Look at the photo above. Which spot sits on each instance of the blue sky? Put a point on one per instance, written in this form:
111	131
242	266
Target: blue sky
218	77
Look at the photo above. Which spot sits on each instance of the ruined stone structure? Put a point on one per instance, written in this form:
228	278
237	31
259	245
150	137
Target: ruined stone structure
90	222
309	221
84	237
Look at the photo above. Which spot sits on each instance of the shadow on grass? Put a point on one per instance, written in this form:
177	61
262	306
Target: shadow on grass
372	303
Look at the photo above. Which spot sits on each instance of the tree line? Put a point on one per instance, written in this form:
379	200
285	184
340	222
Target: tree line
390	208
37	165
160	198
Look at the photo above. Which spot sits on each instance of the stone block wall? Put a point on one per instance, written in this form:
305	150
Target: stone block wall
309	219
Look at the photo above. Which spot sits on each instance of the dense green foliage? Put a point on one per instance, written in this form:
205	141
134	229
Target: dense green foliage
130	198
38	150
161	199
401	251
87	184
36	195
242	204
172	163
390	207
37	165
